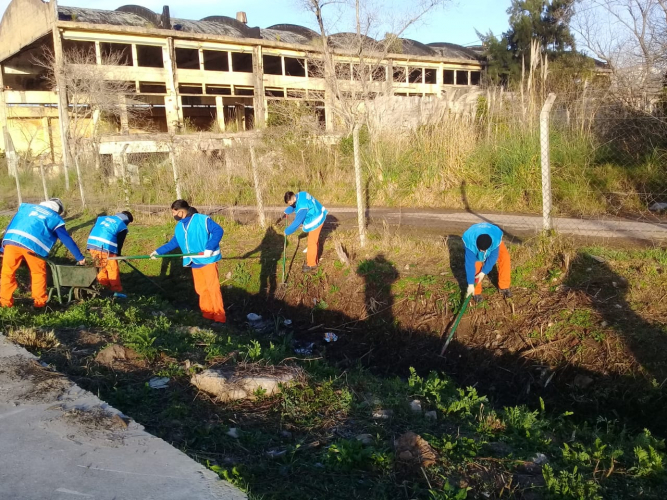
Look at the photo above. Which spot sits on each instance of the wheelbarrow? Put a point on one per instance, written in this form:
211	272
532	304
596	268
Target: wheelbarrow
79	280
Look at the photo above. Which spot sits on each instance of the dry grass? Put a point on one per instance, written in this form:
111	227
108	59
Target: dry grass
33	338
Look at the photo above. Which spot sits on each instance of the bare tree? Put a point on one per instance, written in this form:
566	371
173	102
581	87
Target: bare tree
630	36
94	97
351	87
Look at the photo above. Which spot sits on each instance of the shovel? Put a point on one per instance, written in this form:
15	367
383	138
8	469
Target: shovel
456	324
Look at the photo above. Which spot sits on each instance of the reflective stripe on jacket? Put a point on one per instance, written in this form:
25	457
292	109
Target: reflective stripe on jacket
104	235
34	227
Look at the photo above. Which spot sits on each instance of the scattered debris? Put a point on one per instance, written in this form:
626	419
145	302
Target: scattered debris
658	207
233	432
286	434
431	415
582	381
158	382
231	385
287	322
304	349
252	317
109	355
275	453
416	406
414	450
342	254
383	414
330	337
598	259
365	439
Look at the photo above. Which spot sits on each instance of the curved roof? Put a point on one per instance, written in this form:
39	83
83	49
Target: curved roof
445	49
135	15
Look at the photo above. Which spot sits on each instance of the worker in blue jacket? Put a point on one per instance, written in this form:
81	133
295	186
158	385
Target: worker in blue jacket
198	233
106	240
30	236
483	249
310	214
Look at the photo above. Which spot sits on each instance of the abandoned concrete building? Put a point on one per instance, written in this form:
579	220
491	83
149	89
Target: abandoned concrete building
216	75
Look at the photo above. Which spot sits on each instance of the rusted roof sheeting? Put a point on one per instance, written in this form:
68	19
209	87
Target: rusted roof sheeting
96	16
444	49
226	26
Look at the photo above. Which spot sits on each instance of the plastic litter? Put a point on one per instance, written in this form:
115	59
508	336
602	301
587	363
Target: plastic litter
158	382
253	317
305	350
288	322
330	337
233	432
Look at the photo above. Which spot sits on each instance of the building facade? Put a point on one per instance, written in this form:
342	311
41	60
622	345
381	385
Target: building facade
216	75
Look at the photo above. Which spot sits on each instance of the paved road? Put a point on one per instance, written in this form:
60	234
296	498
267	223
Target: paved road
455	222
59	442
444	222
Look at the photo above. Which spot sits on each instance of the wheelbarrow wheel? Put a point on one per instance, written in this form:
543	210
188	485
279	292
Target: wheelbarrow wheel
85	293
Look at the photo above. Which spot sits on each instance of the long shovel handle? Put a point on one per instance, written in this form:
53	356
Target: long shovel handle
146	277
456	323
284	256
165	256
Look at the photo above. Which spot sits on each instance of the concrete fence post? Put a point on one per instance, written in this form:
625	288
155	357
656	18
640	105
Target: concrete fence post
258	189
547	222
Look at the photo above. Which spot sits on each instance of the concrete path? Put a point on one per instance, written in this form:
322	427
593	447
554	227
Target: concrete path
443	222
455	222
59	442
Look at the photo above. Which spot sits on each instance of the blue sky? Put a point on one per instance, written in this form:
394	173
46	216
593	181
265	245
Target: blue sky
454	23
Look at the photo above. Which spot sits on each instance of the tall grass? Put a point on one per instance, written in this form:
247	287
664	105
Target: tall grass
484	163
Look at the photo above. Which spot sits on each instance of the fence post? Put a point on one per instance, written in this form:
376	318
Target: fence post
12	162
126	186
174	167
547	223
41	172
258	189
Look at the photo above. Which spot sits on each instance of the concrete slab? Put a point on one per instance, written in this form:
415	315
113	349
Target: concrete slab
60	442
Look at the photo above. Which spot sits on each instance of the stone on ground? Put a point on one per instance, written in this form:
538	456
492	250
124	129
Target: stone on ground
232	385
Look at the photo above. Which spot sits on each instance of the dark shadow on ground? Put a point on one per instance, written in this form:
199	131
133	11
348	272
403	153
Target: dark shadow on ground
607	292
270	252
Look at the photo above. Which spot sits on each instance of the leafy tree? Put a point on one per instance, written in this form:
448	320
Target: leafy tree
544	20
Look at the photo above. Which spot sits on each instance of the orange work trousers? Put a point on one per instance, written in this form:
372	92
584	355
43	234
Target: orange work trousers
109	273
207	286
313	257
12	260
504	269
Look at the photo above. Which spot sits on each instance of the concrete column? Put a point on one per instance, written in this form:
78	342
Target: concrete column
124	121
98	53
172	106
240	116
220	112
46	123
259	100
63	105
389	78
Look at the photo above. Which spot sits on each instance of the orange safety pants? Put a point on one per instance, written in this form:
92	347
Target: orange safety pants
312	257
504	269
12	260
207	286
109	273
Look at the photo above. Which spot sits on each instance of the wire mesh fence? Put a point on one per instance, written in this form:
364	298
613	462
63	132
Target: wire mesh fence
586	163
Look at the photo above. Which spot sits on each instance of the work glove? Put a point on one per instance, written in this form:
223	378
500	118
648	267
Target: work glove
82	262
479	277
154	254
208	253
470	291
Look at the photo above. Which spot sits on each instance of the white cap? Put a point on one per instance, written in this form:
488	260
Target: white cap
52	205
